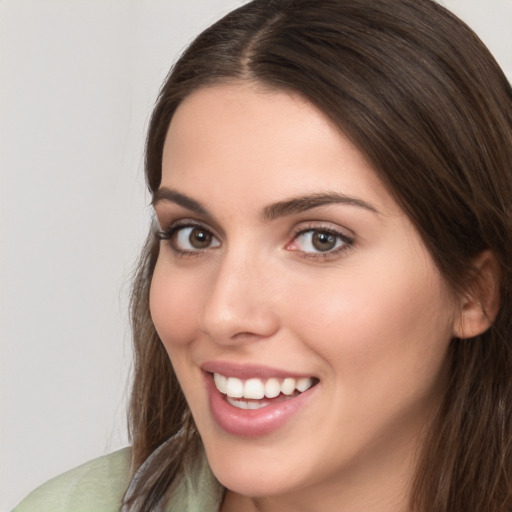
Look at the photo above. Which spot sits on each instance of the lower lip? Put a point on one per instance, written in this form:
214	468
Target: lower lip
253	422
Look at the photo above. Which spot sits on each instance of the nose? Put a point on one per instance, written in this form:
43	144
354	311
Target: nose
241	304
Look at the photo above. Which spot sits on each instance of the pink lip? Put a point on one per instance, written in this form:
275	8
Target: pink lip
248	371
253	422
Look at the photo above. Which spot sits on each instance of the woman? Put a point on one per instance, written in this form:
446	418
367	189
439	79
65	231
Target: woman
322	314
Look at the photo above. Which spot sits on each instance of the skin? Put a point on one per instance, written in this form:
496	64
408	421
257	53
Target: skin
371	321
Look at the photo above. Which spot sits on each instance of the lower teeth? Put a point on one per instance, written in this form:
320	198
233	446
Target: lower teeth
244	404
240	403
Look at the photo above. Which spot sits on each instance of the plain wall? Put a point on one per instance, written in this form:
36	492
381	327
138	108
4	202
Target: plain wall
77	82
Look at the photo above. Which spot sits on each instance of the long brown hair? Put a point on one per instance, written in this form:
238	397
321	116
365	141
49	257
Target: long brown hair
419	94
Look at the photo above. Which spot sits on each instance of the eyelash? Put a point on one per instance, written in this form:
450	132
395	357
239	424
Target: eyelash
343	241
170	234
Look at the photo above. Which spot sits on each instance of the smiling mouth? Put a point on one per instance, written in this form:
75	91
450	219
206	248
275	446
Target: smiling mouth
256	393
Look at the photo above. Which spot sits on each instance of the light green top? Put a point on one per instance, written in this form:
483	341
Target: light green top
99	485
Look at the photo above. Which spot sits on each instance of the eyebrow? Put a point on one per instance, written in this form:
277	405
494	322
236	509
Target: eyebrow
173	196
271	212
308	202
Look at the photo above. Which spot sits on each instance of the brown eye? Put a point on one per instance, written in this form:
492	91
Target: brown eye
313	242
323	241
199	238
193	239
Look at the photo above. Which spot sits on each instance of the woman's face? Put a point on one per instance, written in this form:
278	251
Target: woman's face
288	272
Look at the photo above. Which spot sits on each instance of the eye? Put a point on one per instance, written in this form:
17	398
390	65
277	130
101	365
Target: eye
194	238
189	238
318	241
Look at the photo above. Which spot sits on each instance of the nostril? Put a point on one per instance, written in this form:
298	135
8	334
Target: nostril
246	336
238	326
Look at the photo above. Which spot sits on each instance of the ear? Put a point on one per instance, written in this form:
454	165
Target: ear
480	303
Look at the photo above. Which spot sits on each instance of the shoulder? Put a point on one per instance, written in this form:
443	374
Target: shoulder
96	486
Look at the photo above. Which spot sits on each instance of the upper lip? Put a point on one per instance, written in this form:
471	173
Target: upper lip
248	371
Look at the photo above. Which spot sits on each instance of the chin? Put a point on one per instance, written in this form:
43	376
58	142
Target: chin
254	482
256	471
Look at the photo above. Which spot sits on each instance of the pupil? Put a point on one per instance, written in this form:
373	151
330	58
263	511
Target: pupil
200	239
324	241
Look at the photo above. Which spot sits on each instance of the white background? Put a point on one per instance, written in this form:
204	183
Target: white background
77	82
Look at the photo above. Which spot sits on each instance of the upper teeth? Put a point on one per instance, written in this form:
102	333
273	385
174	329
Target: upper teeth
257	388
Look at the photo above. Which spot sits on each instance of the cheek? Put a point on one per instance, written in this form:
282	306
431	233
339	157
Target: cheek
174	306
375	321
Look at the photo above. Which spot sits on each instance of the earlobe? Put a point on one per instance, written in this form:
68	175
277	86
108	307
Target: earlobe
480	303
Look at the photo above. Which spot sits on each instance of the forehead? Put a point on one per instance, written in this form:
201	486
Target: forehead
232	139
245	113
